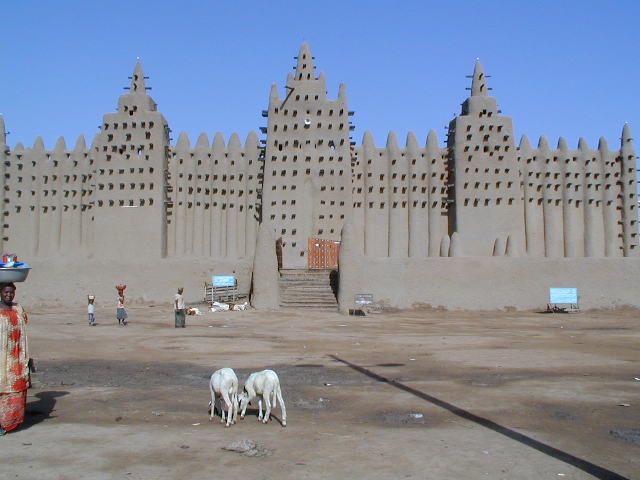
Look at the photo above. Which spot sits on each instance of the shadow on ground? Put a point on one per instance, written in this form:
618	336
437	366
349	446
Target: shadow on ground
40	410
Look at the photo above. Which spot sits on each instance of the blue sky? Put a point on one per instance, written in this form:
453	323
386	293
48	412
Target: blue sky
567	68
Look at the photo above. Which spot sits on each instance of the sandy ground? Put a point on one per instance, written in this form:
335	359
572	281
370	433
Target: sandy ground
420	394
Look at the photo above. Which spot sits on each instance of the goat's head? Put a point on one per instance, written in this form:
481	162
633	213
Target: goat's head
243	400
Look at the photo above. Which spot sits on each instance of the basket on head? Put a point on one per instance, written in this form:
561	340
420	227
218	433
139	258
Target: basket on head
121	287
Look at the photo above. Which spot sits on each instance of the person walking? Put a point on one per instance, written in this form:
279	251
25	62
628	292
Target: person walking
91	310
121	311
180	309
14	360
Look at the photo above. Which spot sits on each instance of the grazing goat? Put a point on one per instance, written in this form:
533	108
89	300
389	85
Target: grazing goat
224	384
266	386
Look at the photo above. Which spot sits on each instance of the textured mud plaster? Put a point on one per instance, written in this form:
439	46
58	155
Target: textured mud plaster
133	197
489	283
349	263
265	289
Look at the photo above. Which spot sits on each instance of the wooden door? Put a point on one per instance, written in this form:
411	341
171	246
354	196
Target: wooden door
323	253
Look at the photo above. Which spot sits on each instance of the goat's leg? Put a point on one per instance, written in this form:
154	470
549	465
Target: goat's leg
234	402
260	407
227	403
221	401
220	407
283	409
222	415
267	402
244	409
212	404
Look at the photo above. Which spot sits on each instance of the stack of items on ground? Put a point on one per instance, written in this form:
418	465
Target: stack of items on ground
223	307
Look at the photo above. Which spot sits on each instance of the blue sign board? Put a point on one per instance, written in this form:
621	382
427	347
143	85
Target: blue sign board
563	295
223	280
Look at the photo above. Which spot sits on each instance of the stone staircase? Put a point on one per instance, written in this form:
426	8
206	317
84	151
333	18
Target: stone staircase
307	289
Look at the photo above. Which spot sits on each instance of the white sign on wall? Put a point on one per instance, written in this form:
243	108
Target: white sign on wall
223	280
563	295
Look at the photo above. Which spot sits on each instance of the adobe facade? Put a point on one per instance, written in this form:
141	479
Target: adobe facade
134	196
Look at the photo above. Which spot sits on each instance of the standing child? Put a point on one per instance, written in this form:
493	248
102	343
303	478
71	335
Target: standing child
180	308
121	312
91	310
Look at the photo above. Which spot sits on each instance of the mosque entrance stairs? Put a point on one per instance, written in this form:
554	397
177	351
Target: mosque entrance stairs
307	289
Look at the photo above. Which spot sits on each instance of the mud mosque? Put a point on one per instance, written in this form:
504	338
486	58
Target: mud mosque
479	222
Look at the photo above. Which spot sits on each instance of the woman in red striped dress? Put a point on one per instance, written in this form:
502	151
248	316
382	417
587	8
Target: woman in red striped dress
14	359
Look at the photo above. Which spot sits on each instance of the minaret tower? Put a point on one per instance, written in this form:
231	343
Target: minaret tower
486	202
307	169
628	179
130	199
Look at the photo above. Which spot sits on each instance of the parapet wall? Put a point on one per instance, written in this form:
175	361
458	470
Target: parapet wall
400	197
215	194
493	283
68	282
64	202
579	202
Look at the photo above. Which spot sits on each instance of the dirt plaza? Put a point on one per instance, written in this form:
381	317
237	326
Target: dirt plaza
422	394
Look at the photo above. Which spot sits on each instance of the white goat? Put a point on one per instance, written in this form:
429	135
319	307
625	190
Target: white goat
219	307
266	386
224	385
